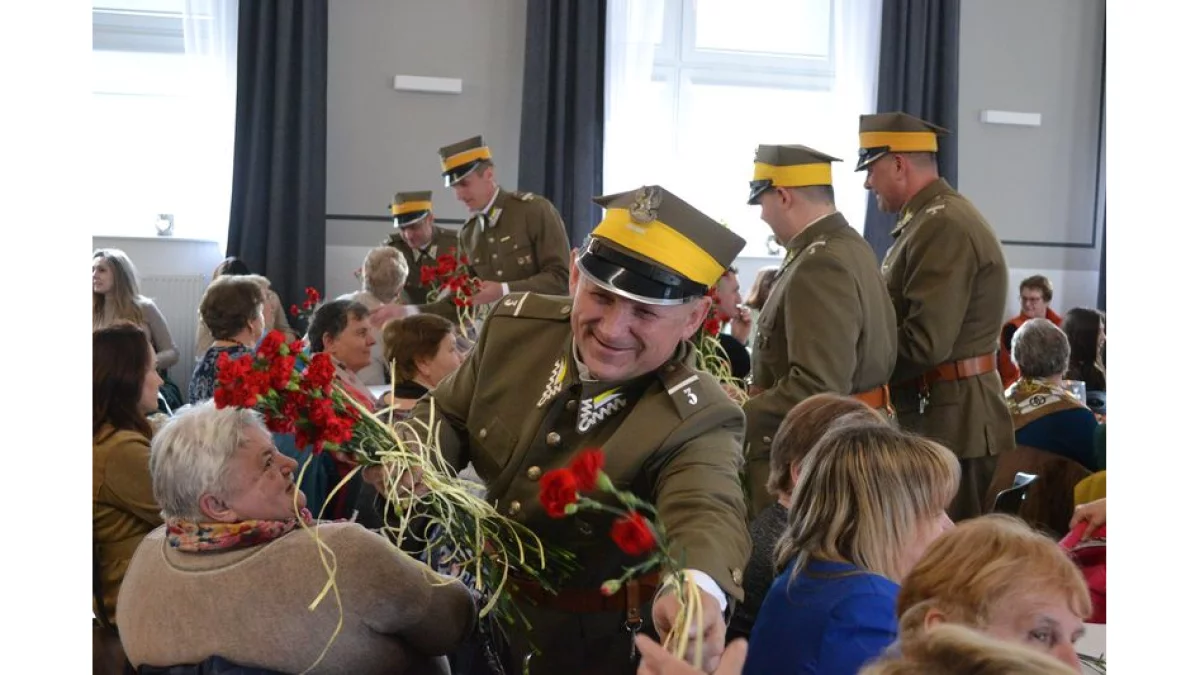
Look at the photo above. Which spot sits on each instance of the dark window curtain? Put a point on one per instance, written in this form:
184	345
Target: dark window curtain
562	108
1102	184
918	74
277	209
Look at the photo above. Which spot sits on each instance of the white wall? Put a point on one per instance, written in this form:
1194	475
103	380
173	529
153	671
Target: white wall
1035	184
382	141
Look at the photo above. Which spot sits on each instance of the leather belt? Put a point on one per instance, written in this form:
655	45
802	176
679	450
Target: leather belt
955	370
879	398
591	600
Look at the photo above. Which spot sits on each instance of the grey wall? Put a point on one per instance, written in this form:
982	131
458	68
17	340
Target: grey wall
1035	184
382	141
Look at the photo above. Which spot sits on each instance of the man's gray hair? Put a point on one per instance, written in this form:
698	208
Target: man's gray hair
1041	349
189	455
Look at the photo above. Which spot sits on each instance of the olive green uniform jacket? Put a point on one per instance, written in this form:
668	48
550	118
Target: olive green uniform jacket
523	243
948	281
828	326
518	408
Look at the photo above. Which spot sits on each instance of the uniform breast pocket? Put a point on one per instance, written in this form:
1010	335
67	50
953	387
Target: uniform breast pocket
494	444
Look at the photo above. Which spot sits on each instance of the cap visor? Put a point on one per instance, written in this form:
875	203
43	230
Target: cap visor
872	154
628	284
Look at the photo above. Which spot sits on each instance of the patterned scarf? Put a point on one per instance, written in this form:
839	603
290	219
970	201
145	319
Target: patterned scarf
186	535
1031	398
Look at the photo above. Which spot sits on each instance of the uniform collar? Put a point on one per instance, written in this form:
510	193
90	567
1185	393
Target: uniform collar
821	226
918	202
578	370
490	209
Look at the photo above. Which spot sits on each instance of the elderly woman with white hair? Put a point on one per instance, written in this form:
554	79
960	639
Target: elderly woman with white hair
229	577
384	272
1045	415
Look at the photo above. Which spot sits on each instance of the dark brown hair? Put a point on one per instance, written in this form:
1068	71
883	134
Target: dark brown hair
804	425
331	318
411	339
1083	326
120	361
229	304
1040	283
761	288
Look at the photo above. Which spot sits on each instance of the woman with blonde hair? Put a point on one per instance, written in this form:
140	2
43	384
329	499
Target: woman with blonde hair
867	503
995	574
115	297
801	429
951	650
384	272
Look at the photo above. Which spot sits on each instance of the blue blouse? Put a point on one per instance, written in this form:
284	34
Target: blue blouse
832	620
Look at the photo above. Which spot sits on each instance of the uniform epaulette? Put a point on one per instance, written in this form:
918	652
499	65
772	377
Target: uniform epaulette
524	196
690	390
534	306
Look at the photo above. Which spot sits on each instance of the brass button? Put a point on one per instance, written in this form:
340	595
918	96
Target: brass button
737	575
499	273
482	434
565	310
670	368
514	508
767	440
572	404
534	472
553	439
491	240
493	255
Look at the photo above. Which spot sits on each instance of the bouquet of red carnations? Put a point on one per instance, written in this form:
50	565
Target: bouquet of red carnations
562	493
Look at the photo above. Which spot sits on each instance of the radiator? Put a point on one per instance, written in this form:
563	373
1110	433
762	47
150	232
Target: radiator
178	298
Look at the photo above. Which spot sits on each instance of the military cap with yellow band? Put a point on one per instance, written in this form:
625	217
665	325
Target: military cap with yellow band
780	166
655	248
882	133
461	158
408	208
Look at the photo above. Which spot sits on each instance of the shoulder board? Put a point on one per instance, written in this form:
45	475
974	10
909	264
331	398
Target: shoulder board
690	390
534	306
815	246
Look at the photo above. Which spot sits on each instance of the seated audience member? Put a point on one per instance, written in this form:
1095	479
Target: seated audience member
274	318
868	501
996	575
800	430
756	299
232	573
1045	415
727	304
232	308
115	297
124	391
424	351
384	273
1036	293
948	649
340	328
1085	329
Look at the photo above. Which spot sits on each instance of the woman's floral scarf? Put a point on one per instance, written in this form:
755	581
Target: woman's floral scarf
1030	398
186	535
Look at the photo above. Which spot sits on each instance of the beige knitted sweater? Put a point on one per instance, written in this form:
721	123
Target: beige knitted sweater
251	606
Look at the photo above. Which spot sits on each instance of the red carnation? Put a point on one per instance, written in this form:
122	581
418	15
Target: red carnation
586	468
712	326
320	372
558	491
269	347
295	310
632	535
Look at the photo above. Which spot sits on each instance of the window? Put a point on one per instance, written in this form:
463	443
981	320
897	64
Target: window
694	86
161	118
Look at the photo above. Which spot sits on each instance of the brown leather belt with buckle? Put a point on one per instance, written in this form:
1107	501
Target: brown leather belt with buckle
879	398
955	370
590	600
